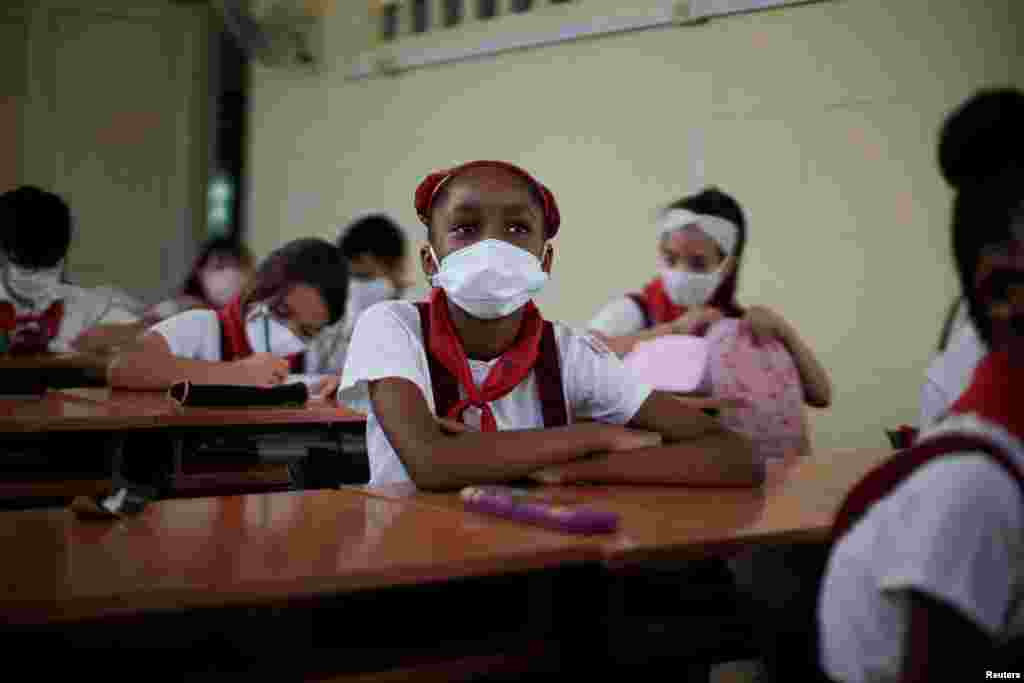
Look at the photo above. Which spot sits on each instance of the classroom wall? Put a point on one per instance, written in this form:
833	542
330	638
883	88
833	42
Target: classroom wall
13	55
106	103
821	119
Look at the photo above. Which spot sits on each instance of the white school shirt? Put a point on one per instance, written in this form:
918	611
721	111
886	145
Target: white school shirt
83	310
327	353
949	374
954	530
618	318
388	342
195	335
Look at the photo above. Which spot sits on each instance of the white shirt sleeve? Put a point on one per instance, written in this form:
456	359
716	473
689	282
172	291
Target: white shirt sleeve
620	317
953	531
382	346
599	386
193	334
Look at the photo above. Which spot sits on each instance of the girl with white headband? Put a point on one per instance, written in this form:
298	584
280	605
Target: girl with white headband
701	241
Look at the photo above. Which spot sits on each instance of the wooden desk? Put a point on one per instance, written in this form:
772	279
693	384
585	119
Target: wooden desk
256	549
662	523
58	411
118	414
167	414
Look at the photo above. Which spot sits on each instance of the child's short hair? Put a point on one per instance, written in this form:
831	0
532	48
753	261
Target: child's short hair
36	227
375	235
308	261
981	154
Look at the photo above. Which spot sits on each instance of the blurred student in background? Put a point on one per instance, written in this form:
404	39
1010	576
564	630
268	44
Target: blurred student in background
39	311
218	275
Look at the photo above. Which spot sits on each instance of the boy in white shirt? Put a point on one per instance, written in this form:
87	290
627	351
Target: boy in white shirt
475	386
926	579
374	247
39	313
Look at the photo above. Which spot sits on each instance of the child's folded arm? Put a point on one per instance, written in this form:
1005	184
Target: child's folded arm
435	459
697	451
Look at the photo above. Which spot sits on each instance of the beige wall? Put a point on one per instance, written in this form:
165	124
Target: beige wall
821	119
108	103
13	57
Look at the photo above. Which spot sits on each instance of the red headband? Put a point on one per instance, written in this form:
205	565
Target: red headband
431	185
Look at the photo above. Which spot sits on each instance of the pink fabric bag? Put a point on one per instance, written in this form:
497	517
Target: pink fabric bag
765	382
675	362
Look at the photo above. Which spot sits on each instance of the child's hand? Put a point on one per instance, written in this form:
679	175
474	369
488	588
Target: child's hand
695	318
453	427
325	388
262	369
765	324
626	439
620	346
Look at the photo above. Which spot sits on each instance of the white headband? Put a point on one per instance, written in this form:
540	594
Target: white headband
725	233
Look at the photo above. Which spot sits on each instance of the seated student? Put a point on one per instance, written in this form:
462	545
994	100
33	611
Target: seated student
475	386
257	339
926	579
701	241
38	312
217	277
374	247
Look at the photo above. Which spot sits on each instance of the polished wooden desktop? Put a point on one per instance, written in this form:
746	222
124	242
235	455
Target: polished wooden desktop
253	549
288	549
104	409
678	523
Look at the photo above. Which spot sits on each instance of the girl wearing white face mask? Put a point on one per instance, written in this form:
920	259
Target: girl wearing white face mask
218	275
374	246
39	312
260	338
474	385
701	242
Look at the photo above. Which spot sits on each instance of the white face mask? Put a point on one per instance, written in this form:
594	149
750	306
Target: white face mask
222	285
490	279
269	335
685	288
365	293
39	286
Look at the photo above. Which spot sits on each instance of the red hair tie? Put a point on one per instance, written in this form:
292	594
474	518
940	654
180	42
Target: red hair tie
431	185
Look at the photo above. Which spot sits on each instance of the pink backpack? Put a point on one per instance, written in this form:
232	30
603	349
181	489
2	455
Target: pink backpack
765	381
675	362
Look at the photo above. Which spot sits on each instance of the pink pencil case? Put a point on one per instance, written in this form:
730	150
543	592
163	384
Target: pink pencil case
522	506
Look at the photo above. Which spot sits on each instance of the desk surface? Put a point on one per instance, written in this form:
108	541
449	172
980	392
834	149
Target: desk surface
104	409
672	523
251	549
